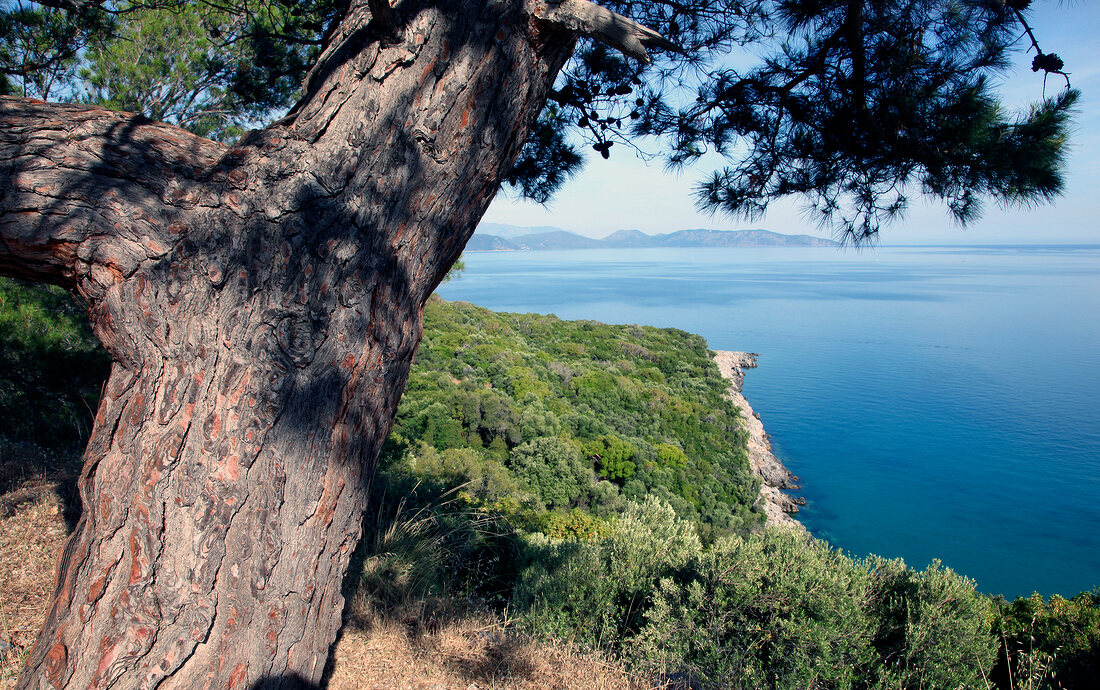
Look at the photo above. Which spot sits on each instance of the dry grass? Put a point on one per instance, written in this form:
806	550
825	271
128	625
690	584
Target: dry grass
436	645
32	532
453	649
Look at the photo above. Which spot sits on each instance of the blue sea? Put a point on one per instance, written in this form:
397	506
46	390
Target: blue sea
937	402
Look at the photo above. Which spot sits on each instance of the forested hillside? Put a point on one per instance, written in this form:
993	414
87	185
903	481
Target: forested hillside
556	422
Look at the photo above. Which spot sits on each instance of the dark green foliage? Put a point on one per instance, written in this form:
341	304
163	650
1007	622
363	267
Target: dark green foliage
547	160
552	468
612	456
554	403
852	106
51	367
932	627
1053	643
776	610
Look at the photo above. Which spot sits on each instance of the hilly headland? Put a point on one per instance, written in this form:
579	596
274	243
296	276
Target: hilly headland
497	237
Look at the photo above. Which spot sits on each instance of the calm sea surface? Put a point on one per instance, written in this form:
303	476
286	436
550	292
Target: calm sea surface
938	402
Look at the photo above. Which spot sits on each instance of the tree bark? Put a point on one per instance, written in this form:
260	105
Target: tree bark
262	304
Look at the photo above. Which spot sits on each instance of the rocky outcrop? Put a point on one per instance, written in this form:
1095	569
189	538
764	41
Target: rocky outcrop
778	506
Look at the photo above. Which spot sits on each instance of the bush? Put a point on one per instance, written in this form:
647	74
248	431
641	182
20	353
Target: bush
612	456
775	610
594	593
932	627
574	524
553	469
1049	644
670	456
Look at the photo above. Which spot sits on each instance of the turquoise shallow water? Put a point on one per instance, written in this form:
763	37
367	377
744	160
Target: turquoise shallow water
937	402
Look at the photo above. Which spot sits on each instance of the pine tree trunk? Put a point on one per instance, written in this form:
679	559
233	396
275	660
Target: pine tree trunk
262	304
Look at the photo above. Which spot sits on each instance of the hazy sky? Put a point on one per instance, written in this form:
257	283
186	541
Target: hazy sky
625	192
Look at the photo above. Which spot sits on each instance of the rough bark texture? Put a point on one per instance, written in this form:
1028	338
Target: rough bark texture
262	304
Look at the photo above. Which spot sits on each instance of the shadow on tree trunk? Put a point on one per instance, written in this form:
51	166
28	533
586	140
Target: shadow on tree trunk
290	681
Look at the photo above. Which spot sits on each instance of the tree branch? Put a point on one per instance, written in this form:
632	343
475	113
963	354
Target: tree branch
1048	62
88	194
589	19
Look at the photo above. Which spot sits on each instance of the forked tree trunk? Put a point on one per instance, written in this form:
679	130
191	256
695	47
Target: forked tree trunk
262	304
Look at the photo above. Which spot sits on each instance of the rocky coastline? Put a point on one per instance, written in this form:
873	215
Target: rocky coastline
776	478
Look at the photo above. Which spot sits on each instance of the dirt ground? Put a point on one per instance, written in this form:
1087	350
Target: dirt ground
464	651
34	488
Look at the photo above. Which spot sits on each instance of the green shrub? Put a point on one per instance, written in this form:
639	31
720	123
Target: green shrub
483	479
774	610
552	468
573	524
612	457
595	593
1053	644
932	627
671	456
536	420
51	366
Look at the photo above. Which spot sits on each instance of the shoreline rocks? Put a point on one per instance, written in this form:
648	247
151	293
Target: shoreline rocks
778	506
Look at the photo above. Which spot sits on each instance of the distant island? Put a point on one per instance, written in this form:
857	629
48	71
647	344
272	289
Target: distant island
496	237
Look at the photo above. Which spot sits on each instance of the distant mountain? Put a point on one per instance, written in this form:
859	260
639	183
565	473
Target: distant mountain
489	243
558	239
519	238
510	232
714	238
628	238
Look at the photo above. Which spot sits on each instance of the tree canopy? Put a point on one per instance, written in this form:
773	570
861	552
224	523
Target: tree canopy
853	107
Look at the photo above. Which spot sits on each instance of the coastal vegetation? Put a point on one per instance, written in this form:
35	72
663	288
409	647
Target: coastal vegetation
588	484
544	420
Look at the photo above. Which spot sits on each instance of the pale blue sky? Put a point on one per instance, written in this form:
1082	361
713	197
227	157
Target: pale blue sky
624	192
